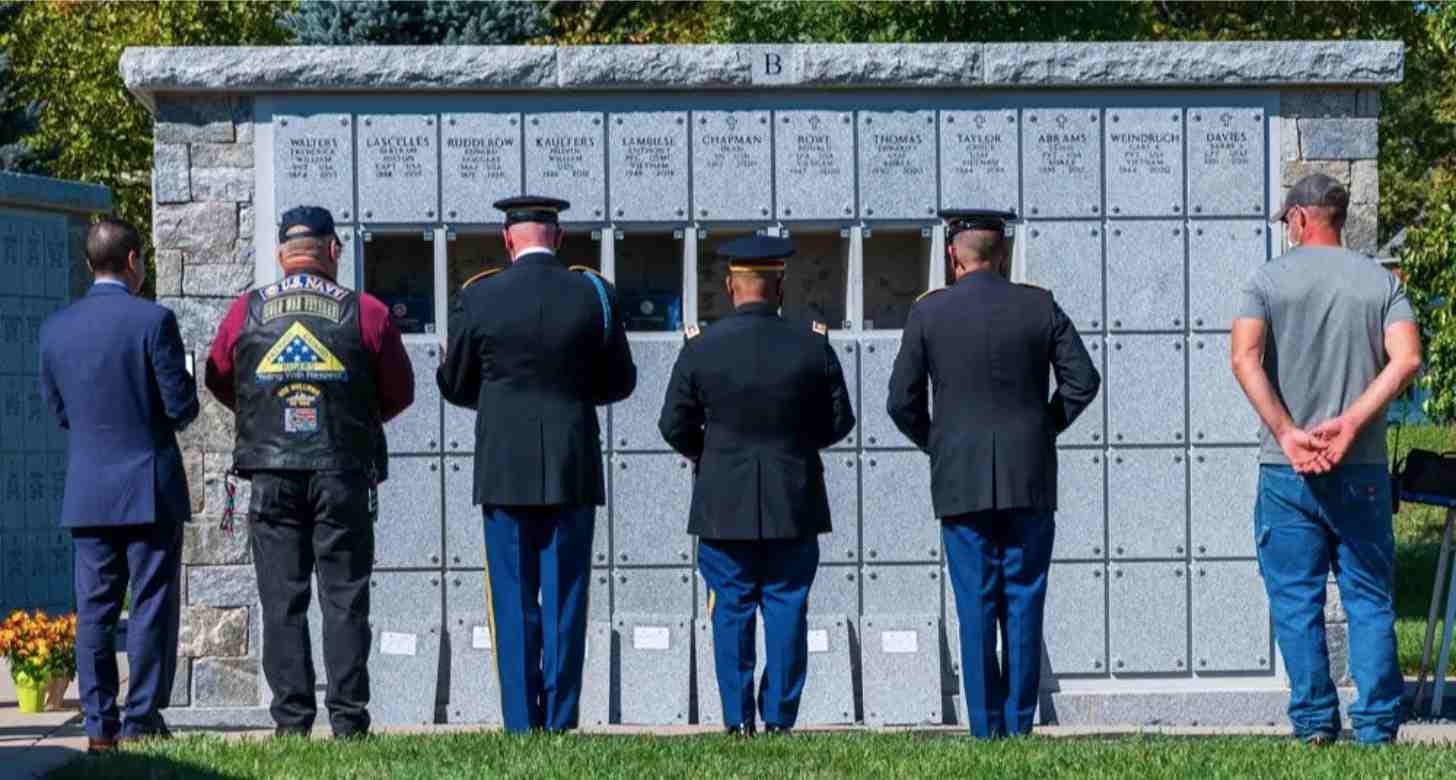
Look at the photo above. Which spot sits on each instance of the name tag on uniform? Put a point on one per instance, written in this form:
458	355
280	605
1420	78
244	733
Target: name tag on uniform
651	638
819	640
899	642
480	637
391	643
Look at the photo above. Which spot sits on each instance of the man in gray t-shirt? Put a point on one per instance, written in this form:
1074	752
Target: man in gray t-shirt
1323	340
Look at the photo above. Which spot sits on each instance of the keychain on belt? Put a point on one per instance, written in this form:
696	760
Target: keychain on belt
230	501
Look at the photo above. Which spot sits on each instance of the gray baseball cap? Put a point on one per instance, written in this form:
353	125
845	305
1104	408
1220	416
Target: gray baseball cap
1315	189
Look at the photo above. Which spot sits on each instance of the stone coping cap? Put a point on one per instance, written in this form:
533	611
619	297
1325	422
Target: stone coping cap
245	69
27	191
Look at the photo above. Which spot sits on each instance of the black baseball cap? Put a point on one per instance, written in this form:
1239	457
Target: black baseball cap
957	220
317	219
532	208
1315	189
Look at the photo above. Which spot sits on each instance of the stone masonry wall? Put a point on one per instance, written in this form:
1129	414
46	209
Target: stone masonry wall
203	233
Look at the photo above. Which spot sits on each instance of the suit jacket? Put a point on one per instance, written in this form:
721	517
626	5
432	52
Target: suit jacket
114	373
985	346
530	352
753	400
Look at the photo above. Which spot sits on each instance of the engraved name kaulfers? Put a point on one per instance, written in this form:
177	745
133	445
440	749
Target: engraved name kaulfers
398	156
1148	152
1062	150
1225	143
312	157
482	157
814	153
731	149
649	156
566	155
894	153
982	151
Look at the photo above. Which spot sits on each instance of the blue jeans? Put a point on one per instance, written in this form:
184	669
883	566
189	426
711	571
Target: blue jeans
1304	527
998	569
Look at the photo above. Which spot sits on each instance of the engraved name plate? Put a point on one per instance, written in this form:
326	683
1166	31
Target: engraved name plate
978	160
732	165
480	160
399	169
565	158
1226	161
1144	174
1062	156
814	164
313	164
897	164
649	166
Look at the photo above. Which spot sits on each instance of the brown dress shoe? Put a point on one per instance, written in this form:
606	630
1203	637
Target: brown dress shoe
95	746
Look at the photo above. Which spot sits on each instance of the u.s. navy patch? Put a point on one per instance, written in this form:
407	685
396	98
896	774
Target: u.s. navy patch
298	355
304	283
300	407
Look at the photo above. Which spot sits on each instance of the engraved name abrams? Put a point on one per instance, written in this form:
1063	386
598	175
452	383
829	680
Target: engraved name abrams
1063	152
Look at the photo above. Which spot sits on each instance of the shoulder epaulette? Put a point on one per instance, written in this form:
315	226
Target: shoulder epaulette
691	332
820	328
921	296
483	274
586	269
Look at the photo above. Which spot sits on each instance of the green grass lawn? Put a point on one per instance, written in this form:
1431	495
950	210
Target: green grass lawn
818	755
1418	541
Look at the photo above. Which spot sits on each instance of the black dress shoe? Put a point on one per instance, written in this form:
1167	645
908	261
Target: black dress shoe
742	731
292	731
780	730
356	735
99	746
158	733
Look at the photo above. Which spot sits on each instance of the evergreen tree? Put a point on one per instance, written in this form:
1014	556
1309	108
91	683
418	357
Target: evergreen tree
18	117
390	22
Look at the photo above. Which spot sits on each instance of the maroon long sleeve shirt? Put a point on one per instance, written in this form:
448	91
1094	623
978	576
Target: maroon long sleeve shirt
392	370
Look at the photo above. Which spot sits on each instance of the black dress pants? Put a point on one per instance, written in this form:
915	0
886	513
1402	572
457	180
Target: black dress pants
302	522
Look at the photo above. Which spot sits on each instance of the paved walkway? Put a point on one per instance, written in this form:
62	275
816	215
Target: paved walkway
31	745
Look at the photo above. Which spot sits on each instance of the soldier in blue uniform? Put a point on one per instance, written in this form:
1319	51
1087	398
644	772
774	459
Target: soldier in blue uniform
533	348
985	346
752	400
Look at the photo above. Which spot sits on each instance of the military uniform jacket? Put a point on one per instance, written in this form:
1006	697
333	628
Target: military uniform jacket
753	400
985	345
531	352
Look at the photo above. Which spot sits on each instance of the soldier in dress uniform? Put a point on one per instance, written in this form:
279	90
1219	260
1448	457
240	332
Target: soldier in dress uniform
752	400
985	346
534	348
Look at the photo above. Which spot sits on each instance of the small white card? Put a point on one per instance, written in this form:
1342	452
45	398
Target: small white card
391	643
480	637
651	638
899	642
819	640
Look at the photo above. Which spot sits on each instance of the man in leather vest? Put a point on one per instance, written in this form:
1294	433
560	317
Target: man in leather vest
312	370
752	400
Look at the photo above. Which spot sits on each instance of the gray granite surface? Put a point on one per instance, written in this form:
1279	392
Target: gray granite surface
1226	161
1223	485
1222	254
897	164
313	164
480	163
566	158
648	166
1148	621
1081	505
1231	629
979	159
900	663
1218	410
408	527
399	168
1147	491
21	189
1144	162
654	662
1076	618
814	165
1145	275
732	165
899	524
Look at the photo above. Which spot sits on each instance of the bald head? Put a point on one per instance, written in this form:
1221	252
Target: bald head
977	250
526	235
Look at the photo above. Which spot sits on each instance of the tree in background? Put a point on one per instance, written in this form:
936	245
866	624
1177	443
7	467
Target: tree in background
18	118
415	23
609	22
65	54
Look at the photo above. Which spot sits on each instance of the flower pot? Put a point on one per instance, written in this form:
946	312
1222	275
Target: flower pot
55	696
29	691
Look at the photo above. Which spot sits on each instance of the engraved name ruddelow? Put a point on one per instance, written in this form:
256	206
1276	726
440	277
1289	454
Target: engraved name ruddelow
1062	150
399	156
566	155
649	156
1226	144
1146	152
482	157
309	157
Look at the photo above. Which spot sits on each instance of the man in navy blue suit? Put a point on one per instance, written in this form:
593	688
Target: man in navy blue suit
114	372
